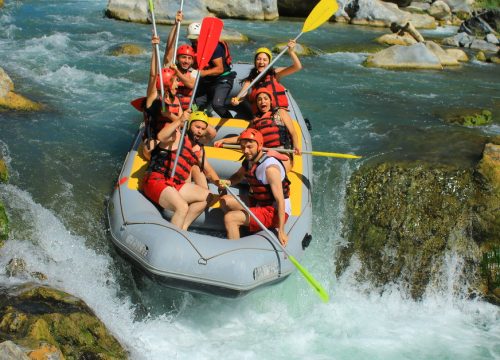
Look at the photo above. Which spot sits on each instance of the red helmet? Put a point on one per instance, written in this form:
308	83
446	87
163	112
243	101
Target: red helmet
254	135
167	75
268	92
185	50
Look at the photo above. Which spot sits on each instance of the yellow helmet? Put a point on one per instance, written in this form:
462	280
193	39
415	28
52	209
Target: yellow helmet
265	51
198	116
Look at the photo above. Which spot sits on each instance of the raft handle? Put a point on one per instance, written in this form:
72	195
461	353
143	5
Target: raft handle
306	241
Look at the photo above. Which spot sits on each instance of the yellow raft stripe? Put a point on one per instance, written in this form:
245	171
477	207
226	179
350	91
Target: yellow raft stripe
140	164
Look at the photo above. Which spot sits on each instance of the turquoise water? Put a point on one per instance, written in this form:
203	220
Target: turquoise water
65	159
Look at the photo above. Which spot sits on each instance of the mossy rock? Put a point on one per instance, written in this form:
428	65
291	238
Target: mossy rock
480	56
233	36
4	225
127	50
469	117
31	314
4	171
403	218
18	102
300	50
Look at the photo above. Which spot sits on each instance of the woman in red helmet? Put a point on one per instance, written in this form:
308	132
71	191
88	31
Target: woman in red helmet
272	78
269	194
275	125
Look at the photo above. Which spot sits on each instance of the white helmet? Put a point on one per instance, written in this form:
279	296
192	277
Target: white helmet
194	31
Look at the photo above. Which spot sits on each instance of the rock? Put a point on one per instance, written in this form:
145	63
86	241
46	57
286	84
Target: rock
31	314
46	351
416	56
15	267
439	10
459	40
495	59
10	100
444	58
491	39
4	172
469	117
403	218
233	36
4	225
127	50
1	3
400	3
9	350
137	11
478	44
300	49
395	39
458	54
378	13
481	56
255	10
463	7
6	84
17	102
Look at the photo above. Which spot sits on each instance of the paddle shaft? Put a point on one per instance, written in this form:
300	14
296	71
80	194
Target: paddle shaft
291	151
176	43
263	72
157	48
310	279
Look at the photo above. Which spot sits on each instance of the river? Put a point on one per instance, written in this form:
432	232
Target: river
65	159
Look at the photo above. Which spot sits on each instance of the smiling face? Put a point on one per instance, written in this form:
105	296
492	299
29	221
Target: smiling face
261	61
175	85
185	61
263	102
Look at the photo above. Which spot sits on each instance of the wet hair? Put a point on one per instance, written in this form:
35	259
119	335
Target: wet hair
253	74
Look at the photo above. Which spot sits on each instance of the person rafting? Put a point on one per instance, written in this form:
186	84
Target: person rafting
271	79
184	69
275	125
176	193
269	194
155	117
216	79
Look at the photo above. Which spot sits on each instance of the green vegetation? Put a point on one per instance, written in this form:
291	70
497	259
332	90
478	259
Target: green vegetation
487	4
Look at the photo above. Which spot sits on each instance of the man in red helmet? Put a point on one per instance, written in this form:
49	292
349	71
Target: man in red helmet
269	190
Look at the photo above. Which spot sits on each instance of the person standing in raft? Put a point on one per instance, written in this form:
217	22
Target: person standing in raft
275	125
187	200
272	78
155	118
185	72
216	79
269	190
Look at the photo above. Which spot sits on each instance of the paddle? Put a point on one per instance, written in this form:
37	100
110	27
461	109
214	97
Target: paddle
152	12
290	151
176	43
321	13
210	31
312	281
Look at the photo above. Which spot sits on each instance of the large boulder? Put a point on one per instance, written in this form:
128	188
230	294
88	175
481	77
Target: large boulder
439	10
43	320
482	24
395	39
379	13
404	219
417	56
137	11
126	50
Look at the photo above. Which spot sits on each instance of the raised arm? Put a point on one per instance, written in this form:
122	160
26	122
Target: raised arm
169	46
152	93
296	64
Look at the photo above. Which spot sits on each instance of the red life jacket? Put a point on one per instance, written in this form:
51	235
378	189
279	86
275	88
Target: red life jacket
159	121
184	93
162	161
260	194
269	82
227	54
275	135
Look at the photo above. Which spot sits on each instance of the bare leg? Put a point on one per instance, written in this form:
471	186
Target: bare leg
198	177
196	197
171	199
233	220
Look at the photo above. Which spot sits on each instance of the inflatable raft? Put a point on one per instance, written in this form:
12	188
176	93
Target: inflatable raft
203	259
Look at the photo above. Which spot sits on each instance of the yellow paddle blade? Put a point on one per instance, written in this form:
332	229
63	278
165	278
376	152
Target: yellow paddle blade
151	6
330	154
321	13
314	283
